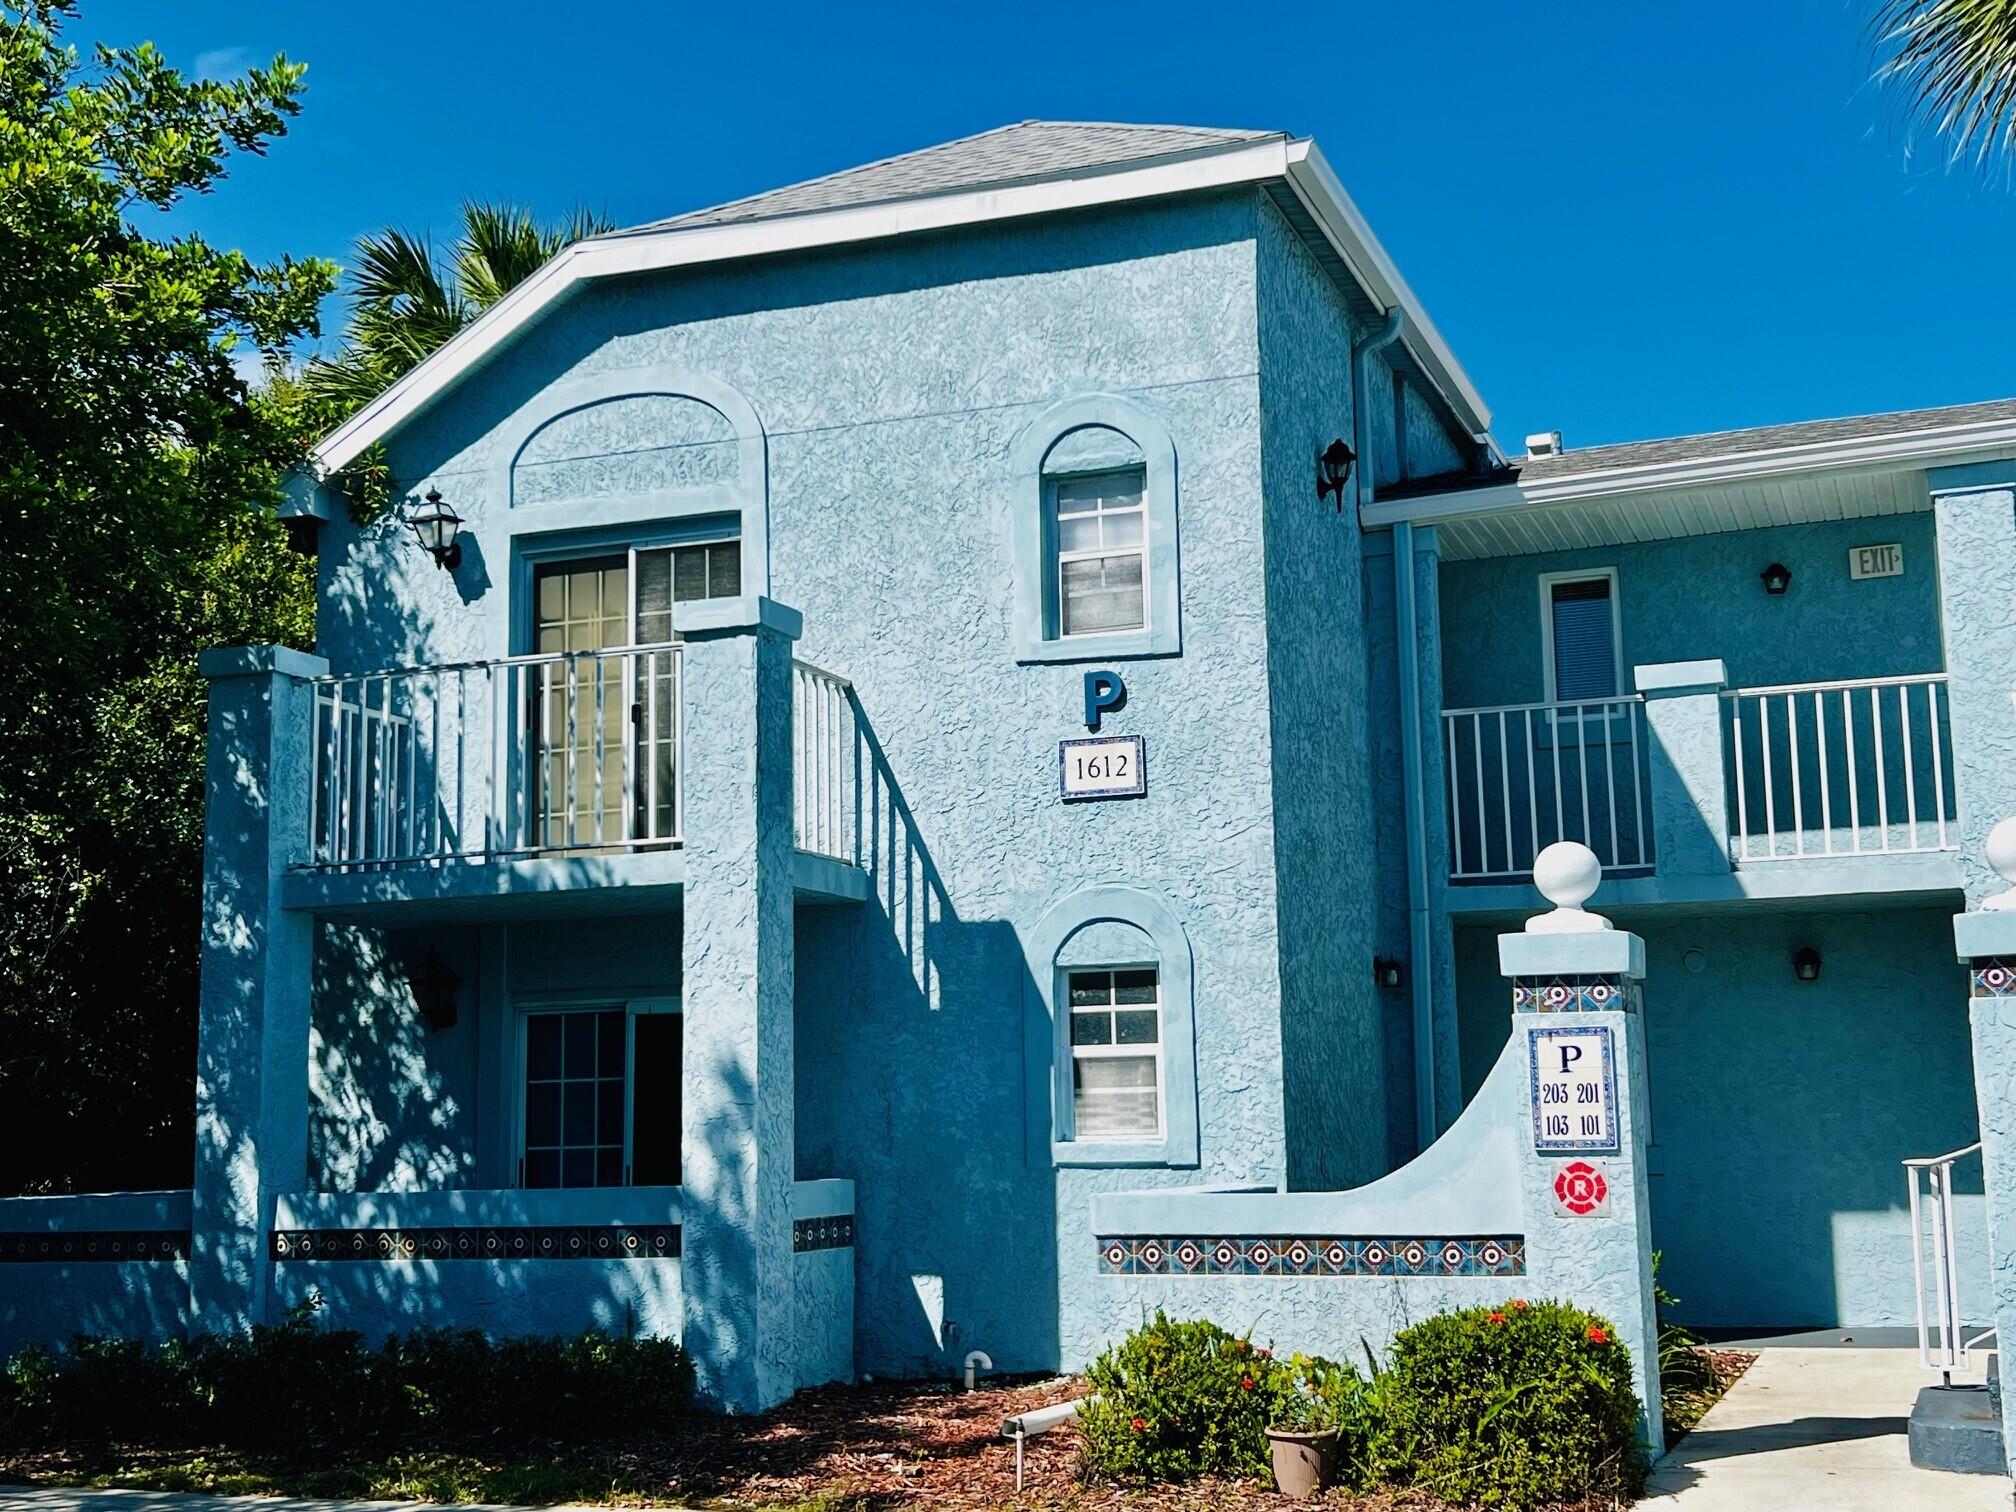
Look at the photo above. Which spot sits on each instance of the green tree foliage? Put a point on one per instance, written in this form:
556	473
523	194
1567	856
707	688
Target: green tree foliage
1954	62
137	475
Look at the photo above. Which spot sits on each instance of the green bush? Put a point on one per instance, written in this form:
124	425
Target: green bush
1176	1400
1513	1406
298	1386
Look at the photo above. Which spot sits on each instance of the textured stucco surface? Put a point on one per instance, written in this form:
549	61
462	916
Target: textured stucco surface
499	1297
1979	618
1699	597
1325	855
823	1324
1781	1111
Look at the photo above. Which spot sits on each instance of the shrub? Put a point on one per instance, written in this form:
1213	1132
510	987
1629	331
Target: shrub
1315	1395
1176	1400
297	1386
1513	1406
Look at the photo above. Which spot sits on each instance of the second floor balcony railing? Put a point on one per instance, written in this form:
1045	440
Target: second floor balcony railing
1522	776
1840	769
574	753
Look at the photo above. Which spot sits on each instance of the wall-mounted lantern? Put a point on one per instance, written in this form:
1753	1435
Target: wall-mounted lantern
1386	971
435	526
1777	578
434	984
1806	964
1333	471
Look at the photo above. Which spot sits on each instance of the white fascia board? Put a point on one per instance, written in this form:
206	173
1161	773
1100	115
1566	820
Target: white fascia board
1323	195
644	252
1942	445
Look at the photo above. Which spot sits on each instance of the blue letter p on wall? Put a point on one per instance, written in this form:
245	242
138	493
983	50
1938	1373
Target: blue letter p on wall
1104	694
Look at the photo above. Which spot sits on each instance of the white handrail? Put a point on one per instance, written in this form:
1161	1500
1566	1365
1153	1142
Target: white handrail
1860	755
1521	776
1940	1345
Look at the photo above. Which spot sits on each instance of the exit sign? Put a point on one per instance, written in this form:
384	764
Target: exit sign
1875	562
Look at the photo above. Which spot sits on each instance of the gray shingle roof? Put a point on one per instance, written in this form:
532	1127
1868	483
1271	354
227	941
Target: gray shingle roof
1005	155
1572	462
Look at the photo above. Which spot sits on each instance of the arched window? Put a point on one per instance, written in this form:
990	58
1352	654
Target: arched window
1111	1043
1096	557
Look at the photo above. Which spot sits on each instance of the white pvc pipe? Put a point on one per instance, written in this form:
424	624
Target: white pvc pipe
977	1357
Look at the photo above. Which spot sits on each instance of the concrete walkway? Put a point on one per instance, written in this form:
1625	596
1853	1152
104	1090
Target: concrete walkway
1820	1429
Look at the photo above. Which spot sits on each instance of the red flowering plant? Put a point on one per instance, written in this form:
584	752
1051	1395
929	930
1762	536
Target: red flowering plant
1516	1406
1175	1400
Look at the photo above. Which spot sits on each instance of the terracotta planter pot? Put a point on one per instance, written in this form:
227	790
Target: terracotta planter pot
1304	1463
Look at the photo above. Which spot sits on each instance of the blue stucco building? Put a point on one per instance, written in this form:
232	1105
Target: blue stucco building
677	908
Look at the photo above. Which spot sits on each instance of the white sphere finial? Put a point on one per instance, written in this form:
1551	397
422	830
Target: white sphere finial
2001	849
1568	874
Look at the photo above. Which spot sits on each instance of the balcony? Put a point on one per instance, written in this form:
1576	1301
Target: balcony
534	775
1692	791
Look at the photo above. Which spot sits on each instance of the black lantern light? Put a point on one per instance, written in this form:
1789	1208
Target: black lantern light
1777	578
435	526
1386	971
1333	471
434	984
1806	964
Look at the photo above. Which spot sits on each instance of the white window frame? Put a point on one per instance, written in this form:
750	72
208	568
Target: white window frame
1053	545
629	551
1117	1051
1548	580
528	1008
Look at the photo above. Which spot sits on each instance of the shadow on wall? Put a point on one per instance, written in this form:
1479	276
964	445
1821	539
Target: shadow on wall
910	1056
391	1101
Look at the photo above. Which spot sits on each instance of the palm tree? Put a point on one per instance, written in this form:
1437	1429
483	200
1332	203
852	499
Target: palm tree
405	304
1956	61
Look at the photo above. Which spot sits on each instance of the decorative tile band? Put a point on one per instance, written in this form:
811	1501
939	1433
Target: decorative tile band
99	1244
822	1233
651	1242
1991	977
1575	994
1501	1255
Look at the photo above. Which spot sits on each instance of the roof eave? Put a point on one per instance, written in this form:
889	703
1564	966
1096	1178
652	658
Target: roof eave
1296	161
1936	446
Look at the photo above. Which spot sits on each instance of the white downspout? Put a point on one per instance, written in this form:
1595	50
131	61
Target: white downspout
1406	628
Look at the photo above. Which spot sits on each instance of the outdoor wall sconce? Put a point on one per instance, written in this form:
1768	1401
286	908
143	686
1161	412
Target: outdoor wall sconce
1386	971
1777	578
434	984
435	526
1333	471
1806	964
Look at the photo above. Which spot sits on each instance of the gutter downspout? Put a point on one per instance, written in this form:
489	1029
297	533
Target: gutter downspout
1406	612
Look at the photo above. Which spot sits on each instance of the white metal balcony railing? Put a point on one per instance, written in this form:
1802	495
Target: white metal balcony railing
567	753
1840	769
1522	776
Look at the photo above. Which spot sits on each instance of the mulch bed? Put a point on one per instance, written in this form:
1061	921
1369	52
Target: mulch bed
1688	1409
868	1448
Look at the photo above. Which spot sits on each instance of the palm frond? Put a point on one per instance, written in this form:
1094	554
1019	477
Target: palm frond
502	245
1955	60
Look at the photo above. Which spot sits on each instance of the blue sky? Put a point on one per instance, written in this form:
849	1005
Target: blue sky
1629	221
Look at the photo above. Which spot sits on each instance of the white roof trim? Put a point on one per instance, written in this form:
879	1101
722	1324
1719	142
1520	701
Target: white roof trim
1937	446
1323	195
643	252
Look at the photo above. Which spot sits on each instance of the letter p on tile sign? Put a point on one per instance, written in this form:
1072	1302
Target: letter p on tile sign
1573	1083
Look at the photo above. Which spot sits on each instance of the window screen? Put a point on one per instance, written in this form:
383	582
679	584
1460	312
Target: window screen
1585	640
1098	524
574	1084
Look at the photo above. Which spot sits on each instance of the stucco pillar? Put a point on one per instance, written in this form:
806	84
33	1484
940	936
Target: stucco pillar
1974	510
1578	1023
1986	941
736	1273
257	971
1689	790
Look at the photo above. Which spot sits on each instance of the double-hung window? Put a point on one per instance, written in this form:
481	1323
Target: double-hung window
1098	535
1580	630
601	1097
1116	1053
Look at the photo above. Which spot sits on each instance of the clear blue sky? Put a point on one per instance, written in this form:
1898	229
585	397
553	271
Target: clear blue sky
1628	220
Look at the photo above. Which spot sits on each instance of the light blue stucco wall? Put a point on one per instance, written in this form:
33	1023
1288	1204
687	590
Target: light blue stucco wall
1325	854
1781	1111
1700	597
891	384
